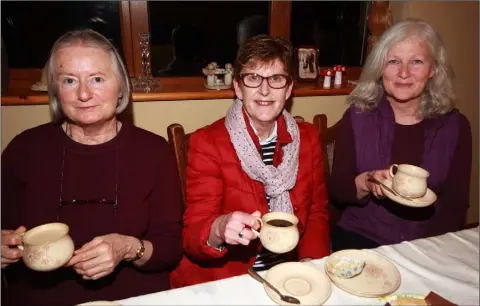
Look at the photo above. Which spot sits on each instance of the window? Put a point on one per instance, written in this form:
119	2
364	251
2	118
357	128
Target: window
187	35
207	31
336	28
29	28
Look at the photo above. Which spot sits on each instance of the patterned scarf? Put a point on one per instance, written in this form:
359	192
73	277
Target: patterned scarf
278	181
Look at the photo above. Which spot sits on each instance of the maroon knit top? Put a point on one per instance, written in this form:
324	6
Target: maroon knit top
136	167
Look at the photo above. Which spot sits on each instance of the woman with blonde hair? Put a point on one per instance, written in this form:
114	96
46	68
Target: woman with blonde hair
115	185
401	113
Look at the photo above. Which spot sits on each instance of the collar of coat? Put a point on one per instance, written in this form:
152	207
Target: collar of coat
283	137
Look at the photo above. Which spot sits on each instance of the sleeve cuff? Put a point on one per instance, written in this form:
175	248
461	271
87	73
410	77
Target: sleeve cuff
220	248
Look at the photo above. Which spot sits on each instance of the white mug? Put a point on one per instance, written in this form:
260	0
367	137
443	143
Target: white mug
409	180
47	247
278	232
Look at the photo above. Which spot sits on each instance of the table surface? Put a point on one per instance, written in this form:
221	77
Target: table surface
447	265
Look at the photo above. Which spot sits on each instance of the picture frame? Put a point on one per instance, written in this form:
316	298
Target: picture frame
306	60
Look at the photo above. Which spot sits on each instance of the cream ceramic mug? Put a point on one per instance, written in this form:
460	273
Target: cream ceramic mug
278	232
47	247
409	180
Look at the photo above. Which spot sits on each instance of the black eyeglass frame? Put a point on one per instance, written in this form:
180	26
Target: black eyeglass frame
98	201
287	77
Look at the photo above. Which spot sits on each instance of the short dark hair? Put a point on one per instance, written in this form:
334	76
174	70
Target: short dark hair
264	49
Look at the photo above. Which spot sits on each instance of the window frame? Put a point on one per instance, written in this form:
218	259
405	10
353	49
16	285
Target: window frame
134	19
279	25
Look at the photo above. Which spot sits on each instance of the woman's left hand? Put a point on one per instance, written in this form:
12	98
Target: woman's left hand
100	256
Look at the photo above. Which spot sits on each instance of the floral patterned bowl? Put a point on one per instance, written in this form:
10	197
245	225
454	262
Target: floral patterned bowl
345	267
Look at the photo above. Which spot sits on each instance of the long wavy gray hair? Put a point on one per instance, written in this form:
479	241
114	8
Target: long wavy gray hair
438	96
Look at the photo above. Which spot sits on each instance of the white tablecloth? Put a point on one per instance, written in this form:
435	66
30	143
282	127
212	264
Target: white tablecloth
447	264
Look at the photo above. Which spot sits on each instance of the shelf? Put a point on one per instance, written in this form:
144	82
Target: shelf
171	89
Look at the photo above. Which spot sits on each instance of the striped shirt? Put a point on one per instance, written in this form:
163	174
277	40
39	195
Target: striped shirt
266	259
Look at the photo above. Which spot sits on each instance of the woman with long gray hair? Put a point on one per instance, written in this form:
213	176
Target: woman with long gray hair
401	112
115	185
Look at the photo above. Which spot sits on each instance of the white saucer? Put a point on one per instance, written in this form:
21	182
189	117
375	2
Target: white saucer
301	280
379	277
403	299
428	199
100	303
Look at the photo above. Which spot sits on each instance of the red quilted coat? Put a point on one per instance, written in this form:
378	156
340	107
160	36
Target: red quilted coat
217	185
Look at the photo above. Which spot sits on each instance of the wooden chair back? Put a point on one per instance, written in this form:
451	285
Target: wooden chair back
299	118
179	141
328	136
327	139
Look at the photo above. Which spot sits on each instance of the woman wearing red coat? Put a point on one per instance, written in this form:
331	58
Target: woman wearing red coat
255	160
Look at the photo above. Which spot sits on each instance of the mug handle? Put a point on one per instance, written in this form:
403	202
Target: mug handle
256	233
391	169
20	246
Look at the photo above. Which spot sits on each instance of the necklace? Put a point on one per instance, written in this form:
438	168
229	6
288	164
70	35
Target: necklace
62	202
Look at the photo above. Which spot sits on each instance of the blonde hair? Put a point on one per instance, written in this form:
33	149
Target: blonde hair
87	37
438	96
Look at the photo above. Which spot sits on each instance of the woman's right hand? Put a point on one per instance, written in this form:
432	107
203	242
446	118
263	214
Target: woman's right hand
366	186
234	228
10	241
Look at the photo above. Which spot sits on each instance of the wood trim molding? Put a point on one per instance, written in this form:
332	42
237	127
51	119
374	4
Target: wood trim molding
172	92
126	32
379	19
172	89
280	18
139	24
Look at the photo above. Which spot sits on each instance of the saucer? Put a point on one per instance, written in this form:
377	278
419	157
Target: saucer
379	277
403	299
100	303
428	199
301	280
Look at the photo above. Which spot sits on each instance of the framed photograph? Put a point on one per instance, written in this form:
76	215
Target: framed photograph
307	63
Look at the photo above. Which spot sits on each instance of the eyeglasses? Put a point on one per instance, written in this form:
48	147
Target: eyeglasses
276	81
74	201
63	202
